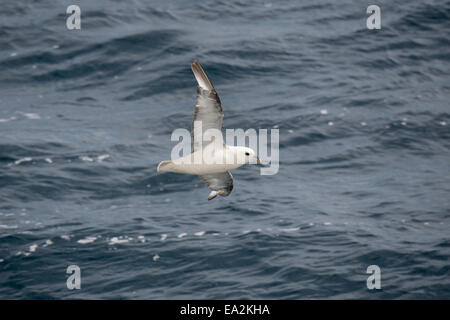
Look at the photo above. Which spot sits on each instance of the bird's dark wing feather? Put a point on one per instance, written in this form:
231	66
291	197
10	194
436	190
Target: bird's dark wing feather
221	183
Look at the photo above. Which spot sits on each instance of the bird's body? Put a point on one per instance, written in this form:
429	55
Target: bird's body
213	160
210	159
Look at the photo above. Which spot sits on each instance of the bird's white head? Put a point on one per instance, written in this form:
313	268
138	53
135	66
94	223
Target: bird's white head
247	155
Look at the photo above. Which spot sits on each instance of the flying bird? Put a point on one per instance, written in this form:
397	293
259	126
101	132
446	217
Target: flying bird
211	159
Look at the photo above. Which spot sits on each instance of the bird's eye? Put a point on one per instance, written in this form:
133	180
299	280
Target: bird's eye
247	154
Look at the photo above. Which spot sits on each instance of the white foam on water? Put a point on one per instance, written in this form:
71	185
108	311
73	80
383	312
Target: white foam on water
443	123
141	239
327	223
1	260
156	257
86	158
48	160
47	243
26	159
33	248
290	229
363	124
163	237
65	237
331	123
181	235
7	119
200	233
102	157
4	226
87	240
21	253
324	112
32	116
119	240
13	54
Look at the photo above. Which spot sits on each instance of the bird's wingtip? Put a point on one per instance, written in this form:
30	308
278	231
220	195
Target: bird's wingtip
212	195
200	75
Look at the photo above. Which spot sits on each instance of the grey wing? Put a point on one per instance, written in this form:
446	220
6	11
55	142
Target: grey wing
220	183
208	112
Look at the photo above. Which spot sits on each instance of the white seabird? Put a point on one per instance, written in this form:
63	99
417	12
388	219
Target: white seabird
212	159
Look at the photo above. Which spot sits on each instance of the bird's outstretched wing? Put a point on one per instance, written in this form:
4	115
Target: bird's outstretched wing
221	183
207	110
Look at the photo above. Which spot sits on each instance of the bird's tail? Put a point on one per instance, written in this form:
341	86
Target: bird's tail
165	166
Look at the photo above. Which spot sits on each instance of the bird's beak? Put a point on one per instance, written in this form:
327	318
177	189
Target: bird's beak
258	161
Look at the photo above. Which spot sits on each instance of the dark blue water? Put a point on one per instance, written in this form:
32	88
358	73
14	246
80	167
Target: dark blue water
364	179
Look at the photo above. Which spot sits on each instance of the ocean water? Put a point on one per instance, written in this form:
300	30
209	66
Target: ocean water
364	124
